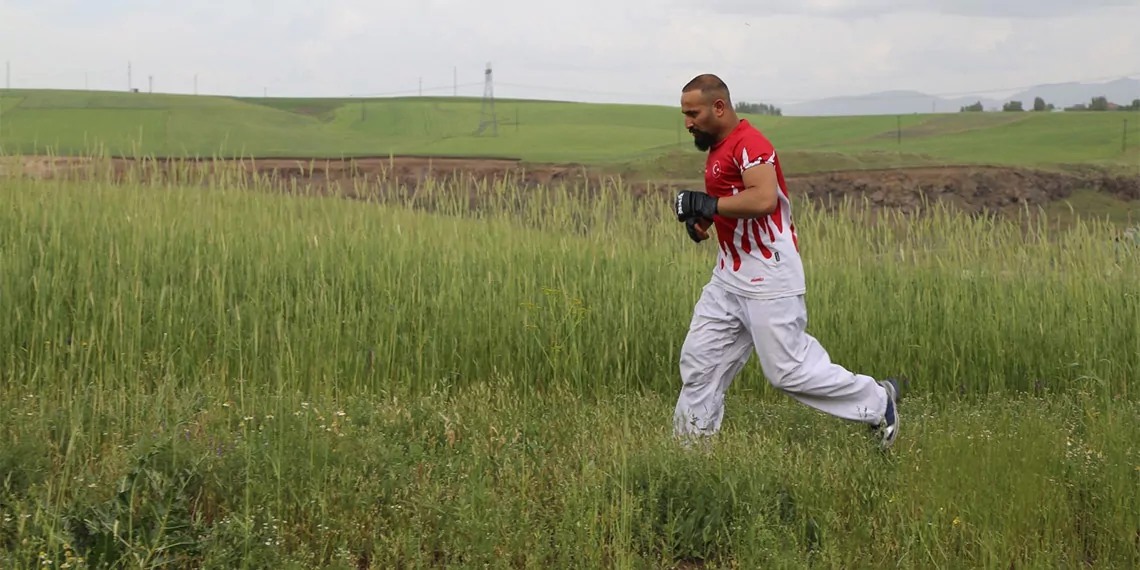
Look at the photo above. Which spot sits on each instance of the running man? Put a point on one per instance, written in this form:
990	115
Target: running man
755	298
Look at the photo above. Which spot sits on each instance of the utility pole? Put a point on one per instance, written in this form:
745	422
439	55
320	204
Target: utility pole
421	87
487	112
130	83
455	81
150	83
7	87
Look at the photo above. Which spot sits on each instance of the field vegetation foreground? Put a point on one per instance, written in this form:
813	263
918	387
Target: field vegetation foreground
218	377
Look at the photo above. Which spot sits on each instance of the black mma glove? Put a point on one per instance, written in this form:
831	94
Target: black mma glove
691	227
690	204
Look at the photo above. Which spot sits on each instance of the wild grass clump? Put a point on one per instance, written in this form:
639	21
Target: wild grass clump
475	374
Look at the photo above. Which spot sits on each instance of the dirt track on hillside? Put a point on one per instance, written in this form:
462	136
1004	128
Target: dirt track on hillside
973	189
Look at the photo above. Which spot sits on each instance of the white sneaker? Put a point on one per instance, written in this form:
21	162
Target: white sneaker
888	428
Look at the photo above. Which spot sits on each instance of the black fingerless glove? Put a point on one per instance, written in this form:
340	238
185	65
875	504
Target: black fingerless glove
690	204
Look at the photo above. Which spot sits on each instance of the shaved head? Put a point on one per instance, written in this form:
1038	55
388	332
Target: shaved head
710	86
708	111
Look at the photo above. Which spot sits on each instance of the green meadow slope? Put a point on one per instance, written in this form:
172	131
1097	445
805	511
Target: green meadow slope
647	138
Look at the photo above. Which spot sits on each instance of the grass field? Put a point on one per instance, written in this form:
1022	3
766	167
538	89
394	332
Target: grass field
220	378
80	122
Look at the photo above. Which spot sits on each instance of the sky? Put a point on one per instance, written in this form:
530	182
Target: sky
636	51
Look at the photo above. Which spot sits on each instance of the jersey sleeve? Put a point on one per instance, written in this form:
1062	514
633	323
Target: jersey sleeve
753	149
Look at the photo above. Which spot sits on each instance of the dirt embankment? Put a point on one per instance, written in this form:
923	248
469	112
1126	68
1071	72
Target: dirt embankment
409	171
972	189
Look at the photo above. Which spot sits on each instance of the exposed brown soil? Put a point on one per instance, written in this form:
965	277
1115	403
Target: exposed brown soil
972	189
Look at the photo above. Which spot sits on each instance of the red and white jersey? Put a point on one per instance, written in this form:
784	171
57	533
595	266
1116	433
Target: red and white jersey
758	258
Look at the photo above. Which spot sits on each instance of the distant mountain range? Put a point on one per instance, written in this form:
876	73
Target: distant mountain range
1120	91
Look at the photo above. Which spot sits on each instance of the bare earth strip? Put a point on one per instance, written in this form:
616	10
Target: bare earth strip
974	189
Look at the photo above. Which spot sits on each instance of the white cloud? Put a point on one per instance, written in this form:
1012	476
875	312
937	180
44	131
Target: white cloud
870	8
637	50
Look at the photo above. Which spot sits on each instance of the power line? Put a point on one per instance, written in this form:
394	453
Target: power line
455	86
571	90
417	91
869	96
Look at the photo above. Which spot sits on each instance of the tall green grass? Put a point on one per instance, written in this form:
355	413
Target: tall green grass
391	290
219	375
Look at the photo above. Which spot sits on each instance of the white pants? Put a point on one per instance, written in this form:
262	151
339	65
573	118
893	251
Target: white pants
726	329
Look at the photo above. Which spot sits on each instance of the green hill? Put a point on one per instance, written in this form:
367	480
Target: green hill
640	137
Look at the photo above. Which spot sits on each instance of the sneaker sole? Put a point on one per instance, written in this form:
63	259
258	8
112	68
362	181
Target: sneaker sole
887	436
